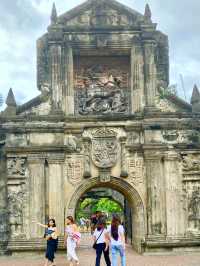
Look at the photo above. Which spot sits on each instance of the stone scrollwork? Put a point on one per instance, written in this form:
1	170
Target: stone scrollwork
104	148
16	166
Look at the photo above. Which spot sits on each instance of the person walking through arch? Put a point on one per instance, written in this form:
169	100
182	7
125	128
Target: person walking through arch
117	239
51	235
71	240
101	243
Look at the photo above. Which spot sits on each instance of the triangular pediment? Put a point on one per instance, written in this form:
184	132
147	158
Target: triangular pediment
101	13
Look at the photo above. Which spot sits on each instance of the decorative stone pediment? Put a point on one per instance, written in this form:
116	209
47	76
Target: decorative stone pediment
101	14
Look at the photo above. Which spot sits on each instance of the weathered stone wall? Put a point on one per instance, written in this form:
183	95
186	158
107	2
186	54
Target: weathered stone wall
4	227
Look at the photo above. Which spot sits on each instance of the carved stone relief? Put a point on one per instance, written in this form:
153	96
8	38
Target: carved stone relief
191	163
101	16
133	138
16	204
104	148
73	143
192	190
181	136
16	166
101	88
74	169
136	169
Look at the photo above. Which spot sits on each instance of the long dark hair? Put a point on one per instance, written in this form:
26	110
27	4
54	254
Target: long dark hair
114	227
51	220
71	219
101	224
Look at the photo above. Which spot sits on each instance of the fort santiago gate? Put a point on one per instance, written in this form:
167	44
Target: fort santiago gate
105	117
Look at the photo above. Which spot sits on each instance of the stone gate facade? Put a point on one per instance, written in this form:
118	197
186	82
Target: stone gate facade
105	117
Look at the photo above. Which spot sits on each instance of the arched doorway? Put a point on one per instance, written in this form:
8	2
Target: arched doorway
105	201
131	195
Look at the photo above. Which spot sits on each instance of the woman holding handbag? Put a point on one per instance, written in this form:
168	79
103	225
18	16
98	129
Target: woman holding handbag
101	243
72	238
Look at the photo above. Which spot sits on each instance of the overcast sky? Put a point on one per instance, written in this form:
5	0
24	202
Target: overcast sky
23	21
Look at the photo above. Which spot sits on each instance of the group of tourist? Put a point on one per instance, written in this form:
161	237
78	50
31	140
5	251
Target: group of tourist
103	236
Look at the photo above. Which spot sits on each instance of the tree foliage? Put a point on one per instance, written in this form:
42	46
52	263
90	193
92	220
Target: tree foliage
89	206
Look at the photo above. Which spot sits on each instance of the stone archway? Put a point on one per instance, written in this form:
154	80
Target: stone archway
131	194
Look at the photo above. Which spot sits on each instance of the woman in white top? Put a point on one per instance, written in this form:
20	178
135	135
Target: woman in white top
71	240
101	240
117	239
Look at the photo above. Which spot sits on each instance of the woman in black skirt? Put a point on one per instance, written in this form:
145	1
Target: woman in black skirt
51	235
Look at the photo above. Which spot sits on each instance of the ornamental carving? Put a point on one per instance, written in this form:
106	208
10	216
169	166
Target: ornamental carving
192	190
136	169
105	148
102	88
191	163
194	208
74	169
101	101
170	135
73	143
101	16
16	166
15	208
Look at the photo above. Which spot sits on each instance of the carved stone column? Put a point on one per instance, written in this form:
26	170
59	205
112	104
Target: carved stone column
137	77
56	77
69	81
150	73
155	193
174	201
37	194
56	197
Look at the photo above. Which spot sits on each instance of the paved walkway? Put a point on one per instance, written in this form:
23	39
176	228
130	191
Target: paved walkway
87	258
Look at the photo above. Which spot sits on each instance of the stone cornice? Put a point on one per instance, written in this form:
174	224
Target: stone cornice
56	158
38	149
61	124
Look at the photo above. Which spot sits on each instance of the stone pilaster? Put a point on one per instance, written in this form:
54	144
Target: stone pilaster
174	202
150	73
69	81
56	197
36	195
124	171
56	77
137	78
155	194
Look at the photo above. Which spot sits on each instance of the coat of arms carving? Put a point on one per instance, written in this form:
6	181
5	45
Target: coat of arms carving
104	148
